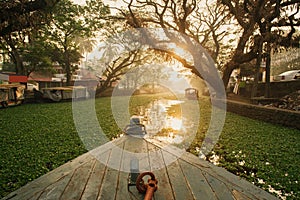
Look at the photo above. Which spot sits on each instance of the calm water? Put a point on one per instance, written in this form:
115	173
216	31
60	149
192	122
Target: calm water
169	121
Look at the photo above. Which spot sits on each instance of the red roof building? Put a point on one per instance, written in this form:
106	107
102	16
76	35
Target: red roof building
12	78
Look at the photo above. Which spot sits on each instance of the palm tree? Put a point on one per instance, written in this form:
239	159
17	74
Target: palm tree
85	45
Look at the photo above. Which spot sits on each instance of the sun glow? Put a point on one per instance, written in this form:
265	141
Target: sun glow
178	50
174	123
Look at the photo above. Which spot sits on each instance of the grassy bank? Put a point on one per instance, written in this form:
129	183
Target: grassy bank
36	138
265	154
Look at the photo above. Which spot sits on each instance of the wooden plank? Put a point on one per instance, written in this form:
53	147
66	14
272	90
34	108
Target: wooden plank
239	196
180	153
158	168
190	162
93	185
36	196
125	193
177	179
134	155
223	175
177	152
229	179
220	189
197	182
55	190
194	160
109	185
76	186
136	148
110	181
97	152
155	158
235	182
39	184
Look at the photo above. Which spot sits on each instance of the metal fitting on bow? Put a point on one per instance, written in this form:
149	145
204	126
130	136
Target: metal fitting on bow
148	188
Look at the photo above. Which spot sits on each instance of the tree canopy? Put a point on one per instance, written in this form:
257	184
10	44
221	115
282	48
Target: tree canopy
18	15
257	21
262	21
233	32
58	26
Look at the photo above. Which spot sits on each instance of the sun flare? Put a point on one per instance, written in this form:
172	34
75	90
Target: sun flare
174	123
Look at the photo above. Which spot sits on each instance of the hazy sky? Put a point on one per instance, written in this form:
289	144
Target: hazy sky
109	2
79	1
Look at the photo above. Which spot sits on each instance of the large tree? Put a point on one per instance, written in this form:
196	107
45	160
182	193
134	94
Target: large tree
257	21
70	22
26	50
120	55
34	33
19	15
196	27
61	33
187	17
20	22
263	22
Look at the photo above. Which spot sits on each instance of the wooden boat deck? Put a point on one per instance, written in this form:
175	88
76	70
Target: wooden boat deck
186	177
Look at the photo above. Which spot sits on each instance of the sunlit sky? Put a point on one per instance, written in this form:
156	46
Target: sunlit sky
110	3
106	2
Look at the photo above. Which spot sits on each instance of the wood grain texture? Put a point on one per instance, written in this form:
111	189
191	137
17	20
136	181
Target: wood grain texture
103	174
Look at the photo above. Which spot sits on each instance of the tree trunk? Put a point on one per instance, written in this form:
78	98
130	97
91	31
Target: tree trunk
18	62
229	67
268	66
104	85
67	66
68	73
257	69
15	56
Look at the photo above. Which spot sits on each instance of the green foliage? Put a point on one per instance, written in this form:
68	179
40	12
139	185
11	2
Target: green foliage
36	138
257	150
66	25
17	16
21	41
94	13
8	67
70	22
36	55
267	155
39	46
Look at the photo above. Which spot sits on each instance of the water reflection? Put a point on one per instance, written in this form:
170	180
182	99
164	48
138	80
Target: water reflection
164	121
